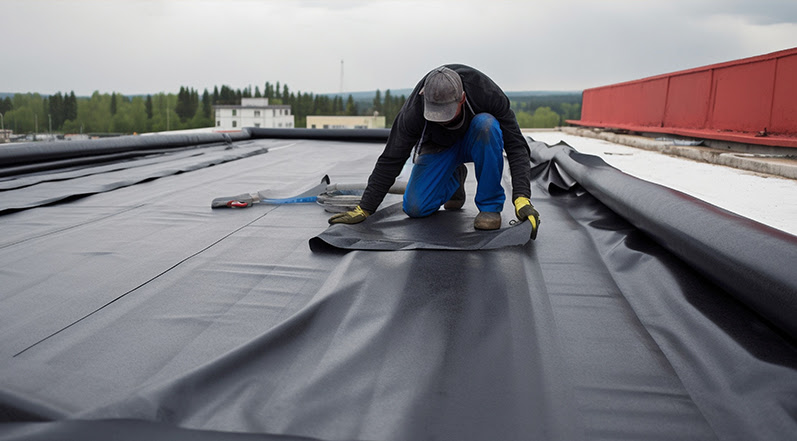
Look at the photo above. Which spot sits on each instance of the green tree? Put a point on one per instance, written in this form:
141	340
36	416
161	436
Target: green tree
121	123
206	104
524	119
351	108
183	107
570	111
164	116
378	102
387	108
200	119
29	114
113	104
391	106
95	113
187	103
543	117
148	106
337	105
56	110
6	105
226	96
70	107
138	115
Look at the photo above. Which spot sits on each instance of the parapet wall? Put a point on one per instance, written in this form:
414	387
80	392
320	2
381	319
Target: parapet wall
752	100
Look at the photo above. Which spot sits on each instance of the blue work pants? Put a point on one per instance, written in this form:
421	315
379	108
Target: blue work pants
434	178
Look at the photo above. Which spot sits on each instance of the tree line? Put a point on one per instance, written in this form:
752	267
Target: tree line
187	109
121	114
545	111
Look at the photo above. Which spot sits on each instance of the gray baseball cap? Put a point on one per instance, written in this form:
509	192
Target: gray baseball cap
442	92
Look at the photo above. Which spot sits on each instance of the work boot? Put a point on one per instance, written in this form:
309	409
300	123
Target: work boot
487	220
458	200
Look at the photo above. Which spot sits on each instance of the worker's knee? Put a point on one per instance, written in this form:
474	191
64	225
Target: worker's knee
485	124
414	209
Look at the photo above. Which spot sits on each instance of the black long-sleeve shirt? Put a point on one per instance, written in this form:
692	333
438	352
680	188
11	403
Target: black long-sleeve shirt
483	96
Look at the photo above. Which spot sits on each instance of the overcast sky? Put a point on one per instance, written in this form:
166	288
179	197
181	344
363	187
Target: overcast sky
149	46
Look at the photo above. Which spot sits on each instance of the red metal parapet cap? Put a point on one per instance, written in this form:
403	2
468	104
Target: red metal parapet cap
740	137
751	100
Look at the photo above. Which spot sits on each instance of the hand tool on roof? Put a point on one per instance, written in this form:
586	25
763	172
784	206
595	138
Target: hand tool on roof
263	197
333	197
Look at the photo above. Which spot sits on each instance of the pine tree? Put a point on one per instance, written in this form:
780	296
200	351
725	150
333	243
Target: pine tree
70	107
113	103
378	102
148	106
227	96
182	104
351	108
194	102
56	110
6	105
386	108
206	109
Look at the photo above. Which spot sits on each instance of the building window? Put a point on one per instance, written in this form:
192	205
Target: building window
235	123
218	123
234	112
257	113
257	124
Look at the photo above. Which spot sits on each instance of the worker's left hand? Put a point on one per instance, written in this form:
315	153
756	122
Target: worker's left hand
524	210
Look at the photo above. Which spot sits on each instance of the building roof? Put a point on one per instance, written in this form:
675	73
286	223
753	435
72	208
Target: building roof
130	307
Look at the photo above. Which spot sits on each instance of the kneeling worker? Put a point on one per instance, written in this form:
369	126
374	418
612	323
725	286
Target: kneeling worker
455	115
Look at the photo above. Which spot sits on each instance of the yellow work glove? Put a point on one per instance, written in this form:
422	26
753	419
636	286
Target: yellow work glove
524	210
350	217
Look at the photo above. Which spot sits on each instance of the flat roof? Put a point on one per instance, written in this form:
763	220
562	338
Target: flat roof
130	307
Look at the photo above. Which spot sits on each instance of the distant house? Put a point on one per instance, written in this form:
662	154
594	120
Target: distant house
253	112
345	122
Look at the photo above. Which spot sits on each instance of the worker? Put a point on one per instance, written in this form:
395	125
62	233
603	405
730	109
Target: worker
455	115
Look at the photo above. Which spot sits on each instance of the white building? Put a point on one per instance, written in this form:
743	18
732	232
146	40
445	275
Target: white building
253	112
345	122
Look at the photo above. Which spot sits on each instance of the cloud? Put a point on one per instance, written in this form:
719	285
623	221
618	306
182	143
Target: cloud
132	46
761	12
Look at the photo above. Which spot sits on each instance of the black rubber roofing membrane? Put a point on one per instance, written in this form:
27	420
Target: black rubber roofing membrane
129	309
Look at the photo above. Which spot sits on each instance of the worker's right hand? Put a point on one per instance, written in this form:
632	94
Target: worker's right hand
350	217
524	210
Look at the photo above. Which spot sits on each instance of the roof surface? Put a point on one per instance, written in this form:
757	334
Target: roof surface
130	307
